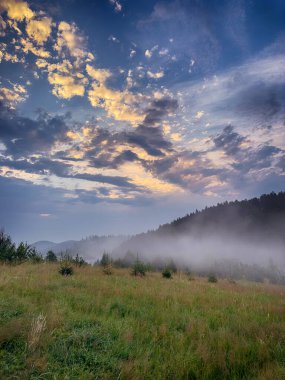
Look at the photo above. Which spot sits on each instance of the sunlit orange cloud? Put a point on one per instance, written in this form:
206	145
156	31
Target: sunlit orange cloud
11	96
176	137
27	46
66	86
17	9
71	64
39	30
140	177
120	105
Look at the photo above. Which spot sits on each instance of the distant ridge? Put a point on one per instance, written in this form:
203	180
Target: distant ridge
256	218
260	218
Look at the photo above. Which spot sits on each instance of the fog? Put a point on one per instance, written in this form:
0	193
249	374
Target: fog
200	251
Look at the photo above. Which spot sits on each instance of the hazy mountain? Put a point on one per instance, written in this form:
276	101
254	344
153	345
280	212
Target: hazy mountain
44	246
250	231
90	249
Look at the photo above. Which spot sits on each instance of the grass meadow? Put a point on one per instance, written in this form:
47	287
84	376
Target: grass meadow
97	326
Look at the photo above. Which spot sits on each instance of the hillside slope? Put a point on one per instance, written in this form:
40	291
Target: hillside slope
250	231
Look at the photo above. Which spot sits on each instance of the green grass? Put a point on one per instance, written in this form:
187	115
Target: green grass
126	327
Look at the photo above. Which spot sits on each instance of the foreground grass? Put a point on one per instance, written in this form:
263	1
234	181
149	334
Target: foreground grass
93	326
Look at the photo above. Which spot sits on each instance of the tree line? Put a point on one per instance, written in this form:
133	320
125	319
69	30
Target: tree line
10	253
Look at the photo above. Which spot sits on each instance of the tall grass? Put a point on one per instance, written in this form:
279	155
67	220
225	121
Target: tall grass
93	326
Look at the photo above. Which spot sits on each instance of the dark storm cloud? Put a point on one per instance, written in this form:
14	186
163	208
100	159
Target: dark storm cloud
258	169
248	162
263	100
148	136
281	163
194	177
246	158
42	166
150	139
158	109
229	141
254	159
45	166
112	180
23	136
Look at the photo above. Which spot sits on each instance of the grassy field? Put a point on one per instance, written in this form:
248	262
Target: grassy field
94	326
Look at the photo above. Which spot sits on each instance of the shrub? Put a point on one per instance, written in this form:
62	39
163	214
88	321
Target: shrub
212	278
79	261
7	248
108	269
11	254
167	273
51	256
66	269
105	260
139	268
33	256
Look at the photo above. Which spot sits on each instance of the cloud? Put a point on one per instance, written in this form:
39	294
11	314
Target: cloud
66	87
158	75
189	170
111	150
100	75
13	95
112	180
2	27
164	51
176	136
114	39
158	109
23	136
148	53
16	9
28	46
120	105
117	5
39	30
249	94
229	141
70	40
199	114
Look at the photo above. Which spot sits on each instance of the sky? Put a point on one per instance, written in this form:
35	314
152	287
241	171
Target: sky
117	116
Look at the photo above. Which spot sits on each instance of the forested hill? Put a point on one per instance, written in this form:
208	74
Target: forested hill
266	213
258	218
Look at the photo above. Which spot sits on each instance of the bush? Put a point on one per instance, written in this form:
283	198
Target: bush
11	254
105	260
108	269
212	278
33	256
51	257
167	273
139	268
66	269
7	248
79	261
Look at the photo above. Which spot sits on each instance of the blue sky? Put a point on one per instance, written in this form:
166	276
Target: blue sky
117	115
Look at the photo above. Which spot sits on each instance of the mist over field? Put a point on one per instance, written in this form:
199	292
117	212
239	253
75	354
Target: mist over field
232	239
205	250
